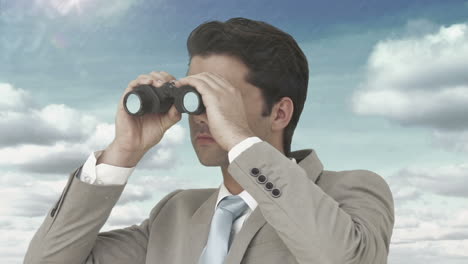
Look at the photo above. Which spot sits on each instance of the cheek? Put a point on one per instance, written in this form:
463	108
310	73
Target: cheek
254	118
251	114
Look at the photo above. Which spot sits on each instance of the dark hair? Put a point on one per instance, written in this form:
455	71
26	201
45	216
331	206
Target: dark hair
277	66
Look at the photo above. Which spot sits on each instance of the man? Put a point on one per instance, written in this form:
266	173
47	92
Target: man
274	205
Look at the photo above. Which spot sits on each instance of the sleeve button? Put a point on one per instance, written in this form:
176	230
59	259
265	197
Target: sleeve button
261	179
269	186
254	172
276	193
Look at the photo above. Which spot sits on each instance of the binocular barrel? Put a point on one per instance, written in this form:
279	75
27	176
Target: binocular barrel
149	99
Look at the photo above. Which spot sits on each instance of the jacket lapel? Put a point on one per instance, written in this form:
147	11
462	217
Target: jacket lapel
239	245
200	227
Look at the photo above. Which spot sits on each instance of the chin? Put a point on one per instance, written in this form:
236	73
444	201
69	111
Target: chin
210	163
213	160
212	156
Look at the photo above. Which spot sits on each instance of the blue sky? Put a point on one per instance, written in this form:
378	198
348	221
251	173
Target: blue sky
387	93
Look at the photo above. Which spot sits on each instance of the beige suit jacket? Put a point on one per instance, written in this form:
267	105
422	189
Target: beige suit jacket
313	216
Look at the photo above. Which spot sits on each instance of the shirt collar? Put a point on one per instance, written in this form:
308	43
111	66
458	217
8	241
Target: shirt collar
248	199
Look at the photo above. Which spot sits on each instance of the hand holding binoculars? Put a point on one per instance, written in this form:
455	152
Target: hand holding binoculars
149	99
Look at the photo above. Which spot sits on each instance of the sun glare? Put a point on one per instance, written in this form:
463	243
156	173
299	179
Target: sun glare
63	7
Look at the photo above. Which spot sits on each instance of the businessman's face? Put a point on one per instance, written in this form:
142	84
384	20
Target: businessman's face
234	71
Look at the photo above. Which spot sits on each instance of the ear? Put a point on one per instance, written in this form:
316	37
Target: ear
282	113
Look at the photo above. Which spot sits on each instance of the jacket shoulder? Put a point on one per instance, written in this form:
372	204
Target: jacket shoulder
353	178
357	190
195	195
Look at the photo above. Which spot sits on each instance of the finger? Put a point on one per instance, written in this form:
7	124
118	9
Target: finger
217	81
143	77
207	79
200	85
174	113
217	78
140	80
159	76
167	76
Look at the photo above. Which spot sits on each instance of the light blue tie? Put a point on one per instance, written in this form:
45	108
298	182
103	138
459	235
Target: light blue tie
228	210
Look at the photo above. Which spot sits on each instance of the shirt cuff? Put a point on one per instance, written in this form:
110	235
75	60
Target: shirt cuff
241	146
104	174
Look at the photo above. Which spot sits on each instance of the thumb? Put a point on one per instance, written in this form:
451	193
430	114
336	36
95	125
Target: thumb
174	115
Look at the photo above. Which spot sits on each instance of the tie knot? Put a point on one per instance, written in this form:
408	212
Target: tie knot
233	204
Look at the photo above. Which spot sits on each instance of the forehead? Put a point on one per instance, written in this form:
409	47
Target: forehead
229	67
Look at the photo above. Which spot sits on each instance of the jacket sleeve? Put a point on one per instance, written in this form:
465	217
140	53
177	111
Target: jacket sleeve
354	226
70	232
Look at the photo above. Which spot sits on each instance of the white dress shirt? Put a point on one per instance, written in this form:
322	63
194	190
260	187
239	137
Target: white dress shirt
108	174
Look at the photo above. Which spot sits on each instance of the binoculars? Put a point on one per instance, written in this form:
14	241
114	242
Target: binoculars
149	99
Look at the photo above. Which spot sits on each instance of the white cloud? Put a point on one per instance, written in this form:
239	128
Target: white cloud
143	188
425	237
57	139
452	141
429	252
28	196
460	220
42	18
27	199
16	234
85	8
431	214
22	122
419	80
65	119
14	99
403	194
32	196
429	234
448	180
125	215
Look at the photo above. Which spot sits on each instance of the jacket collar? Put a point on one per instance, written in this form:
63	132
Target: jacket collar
309	161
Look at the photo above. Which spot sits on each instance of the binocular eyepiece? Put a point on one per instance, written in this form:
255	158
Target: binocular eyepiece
149	99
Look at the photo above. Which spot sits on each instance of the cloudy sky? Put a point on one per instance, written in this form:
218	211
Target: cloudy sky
388	92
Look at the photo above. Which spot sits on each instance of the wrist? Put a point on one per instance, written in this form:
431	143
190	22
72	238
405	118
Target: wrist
115	156
239	139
